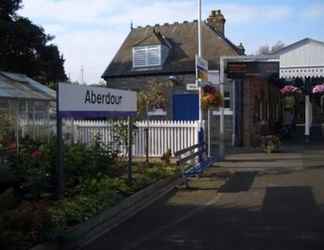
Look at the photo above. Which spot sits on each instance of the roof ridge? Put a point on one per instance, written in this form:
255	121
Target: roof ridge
235	47
297	43
166	24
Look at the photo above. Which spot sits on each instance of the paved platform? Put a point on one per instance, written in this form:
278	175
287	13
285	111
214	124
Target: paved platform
243	204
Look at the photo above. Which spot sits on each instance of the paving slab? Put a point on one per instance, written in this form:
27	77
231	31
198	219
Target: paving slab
230	207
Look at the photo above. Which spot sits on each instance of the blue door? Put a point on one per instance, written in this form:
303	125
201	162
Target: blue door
186	107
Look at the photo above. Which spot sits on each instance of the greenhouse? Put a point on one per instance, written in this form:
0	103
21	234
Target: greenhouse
27	108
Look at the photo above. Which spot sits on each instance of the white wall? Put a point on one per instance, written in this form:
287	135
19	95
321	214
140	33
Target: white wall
311	54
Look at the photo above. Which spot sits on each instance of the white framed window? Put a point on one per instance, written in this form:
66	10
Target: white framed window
227	99
147	56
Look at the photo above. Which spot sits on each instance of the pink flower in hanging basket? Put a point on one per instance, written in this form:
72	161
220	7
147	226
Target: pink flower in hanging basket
318	89
290	89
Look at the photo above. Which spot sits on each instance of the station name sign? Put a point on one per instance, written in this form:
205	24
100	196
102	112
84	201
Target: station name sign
201	70
239	70
84	101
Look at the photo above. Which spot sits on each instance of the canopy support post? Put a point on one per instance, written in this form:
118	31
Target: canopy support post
307	118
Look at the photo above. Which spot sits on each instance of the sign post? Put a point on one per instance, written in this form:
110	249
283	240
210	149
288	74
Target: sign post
201	80
201	71
130	144
60	150
75	101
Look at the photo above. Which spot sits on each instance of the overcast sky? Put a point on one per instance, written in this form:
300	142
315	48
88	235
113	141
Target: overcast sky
89	32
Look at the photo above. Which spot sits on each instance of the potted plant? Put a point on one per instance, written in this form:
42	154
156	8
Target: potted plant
271	143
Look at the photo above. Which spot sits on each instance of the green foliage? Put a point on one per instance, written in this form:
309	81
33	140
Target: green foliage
25	48
95	194
270	143
22	227
166	157
73	211
153	96
5	131
121	133
95	180
8	8
36	165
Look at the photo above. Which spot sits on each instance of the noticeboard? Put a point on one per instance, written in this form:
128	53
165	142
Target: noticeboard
239	70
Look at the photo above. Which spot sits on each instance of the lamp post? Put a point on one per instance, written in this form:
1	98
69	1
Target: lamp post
199	55
200	133
221	152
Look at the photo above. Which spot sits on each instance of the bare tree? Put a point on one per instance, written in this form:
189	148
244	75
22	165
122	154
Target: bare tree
279	45
264	50
267	50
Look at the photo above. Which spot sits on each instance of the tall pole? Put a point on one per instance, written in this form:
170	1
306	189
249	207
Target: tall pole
307	118
60	151
200	55
130	144
222	118
199	29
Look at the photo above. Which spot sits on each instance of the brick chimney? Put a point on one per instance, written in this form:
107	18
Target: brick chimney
216	20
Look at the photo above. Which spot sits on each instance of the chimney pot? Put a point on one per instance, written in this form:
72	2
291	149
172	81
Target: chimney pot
242	49
216	21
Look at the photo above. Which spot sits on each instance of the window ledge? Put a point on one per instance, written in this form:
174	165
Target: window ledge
139	69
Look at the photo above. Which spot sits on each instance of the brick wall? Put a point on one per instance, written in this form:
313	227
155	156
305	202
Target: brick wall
259	99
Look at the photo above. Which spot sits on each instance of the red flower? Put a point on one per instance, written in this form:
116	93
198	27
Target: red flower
36	154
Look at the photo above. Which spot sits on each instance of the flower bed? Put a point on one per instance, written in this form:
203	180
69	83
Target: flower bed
95	180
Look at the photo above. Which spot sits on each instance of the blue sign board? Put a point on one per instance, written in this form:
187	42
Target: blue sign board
186	107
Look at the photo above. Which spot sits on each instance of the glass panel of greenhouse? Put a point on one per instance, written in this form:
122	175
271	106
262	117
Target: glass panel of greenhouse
26	109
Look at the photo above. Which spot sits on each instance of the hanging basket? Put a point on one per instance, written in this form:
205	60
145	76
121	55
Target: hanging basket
318	89
290	90
211	98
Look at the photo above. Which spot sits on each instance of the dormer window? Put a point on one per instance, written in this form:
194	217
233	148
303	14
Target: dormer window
147	56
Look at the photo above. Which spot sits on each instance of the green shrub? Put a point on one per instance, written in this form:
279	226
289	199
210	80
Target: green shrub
21	228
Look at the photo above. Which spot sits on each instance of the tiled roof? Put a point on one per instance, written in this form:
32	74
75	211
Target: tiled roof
184	45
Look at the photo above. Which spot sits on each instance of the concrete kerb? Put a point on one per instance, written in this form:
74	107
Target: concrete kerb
94	228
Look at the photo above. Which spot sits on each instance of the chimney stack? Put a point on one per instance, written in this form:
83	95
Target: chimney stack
216	20
242	49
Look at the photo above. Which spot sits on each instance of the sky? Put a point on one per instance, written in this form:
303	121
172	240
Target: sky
90	32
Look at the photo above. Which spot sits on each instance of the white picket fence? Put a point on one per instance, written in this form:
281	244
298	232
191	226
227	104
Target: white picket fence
37	128
162	135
